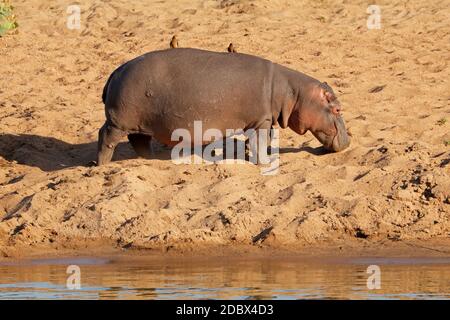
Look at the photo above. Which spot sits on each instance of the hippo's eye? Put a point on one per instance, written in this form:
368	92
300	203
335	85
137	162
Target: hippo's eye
335	109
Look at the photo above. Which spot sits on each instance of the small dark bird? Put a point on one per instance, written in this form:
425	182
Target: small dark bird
174	42
231	48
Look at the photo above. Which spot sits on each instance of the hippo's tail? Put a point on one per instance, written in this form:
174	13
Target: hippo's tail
105	88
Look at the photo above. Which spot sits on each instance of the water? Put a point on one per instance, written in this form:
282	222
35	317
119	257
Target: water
418	278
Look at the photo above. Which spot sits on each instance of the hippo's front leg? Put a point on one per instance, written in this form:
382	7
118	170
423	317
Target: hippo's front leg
259	142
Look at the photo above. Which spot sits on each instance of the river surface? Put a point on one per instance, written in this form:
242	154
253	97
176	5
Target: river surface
399	278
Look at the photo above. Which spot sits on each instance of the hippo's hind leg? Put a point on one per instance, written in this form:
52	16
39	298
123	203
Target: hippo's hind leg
108	138
140	144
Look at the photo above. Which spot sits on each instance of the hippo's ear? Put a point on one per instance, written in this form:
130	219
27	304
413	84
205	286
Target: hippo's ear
326	93
329	96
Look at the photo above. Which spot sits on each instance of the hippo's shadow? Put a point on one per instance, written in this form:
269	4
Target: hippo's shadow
51	154
318	151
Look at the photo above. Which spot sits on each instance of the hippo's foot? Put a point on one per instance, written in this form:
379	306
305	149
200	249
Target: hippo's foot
140	144
108	138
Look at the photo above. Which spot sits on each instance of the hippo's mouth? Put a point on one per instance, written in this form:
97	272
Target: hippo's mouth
338	142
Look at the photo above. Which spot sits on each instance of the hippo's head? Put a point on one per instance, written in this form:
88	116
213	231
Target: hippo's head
319	112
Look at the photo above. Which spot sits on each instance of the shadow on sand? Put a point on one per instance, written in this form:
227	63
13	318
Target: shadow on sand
319	151
51	154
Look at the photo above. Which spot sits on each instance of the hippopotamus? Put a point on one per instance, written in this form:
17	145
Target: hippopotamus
154	94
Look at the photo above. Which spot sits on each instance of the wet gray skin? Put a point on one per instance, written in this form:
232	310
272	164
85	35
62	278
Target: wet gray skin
154	94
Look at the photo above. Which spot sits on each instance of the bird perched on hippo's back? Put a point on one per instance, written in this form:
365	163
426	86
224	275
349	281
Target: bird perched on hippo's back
174	42
231	48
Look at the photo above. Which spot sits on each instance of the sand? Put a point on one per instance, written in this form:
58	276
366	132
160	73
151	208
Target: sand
390	188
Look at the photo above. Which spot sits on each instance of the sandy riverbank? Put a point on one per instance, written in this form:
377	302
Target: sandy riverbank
389	189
